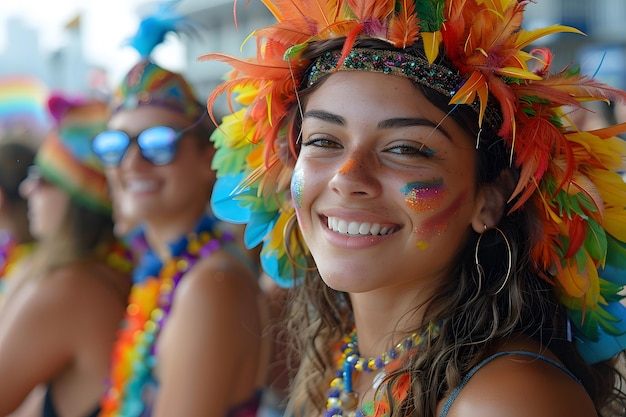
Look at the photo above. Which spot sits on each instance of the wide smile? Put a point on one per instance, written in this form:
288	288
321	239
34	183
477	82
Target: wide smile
141	186
355	228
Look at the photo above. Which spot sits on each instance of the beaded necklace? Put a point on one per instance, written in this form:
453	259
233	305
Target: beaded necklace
10	253
134	355
341	398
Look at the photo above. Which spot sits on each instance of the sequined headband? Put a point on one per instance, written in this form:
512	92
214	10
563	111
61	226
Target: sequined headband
437	77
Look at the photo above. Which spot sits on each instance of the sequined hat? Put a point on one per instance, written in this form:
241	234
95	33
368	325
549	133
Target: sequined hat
148	83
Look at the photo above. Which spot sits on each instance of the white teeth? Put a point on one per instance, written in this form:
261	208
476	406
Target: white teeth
357	228
141	186
364	228
353	228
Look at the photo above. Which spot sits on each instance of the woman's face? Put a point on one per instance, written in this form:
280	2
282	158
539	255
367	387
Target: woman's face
47	206
384	184
146	192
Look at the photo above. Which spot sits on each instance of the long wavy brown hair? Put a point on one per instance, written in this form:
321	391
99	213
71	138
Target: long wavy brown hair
474	312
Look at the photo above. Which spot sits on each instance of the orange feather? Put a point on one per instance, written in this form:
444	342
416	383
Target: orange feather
371	9
404	27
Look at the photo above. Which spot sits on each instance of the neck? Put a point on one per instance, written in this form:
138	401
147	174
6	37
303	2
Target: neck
160	234
383	318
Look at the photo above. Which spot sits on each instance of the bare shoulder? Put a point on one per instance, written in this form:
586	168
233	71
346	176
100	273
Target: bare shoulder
219	278
519	385
86	282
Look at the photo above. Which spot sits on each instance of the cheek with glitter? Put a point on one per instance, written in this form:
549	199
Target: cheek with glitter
297	187
439	222
422	245
423	196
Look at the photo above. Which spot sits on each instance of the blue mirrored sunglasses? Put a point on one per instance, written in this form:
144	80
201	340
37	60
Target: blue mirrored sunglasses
157	144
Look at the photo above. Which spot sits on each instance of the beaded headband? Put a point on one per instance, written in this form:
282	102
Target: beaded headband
437	77
568	178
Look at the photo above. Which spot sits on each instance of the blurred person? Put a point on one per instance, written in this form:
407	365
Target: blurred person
60	318
192	342
15	238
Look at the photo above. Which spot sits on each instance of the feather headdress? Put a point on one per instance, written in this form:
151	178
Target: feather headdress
570	176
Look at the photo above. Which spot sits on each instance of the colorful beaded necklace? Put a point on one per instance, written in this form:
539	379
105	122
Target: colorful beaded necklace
10	253
341	398
134	355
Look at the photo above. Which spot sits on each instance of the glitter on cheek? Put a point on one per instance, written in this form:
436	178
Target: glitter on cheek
439	222
297	187
424	196
422	245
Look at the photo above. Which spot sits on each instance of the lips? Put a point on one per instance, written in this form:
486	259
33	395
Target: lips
354	228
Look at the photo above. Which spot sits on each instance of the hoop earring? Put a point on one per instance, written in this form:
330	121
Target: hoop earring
290	227
480	269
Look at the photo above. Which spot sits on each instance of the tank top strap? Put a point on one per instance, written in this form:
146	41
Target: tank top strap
455	393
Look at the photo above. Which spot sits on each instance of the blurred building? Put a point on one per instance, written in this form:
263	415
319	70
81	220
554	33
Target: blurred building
65	68
602	52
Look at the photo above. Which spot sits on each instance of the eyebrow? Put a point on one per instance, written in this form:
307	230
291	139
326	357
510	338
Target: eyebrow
384	124
325	116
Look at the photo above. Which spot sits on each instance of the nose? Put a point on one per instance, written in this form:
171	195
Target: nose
27	186
133	158
357	175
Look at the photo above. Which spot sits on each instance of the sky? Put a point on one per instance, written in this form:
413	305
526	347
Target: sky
105	25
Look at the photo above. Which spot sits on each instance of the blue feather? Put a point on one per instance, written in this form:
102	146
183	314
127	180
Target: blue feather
154	28
607	345
223	204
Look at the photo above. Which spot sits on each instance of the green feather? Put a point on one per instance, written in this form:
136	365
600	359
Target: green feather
595	241
430	13
616	254
227	161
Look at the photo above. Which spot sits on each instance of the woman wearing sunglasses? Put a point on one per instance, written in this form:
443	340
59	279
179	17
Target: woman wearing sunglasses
192	340
58	324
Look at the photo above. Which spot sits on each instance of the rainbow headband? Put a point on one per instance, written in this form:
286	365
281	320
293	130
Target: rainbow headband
65	157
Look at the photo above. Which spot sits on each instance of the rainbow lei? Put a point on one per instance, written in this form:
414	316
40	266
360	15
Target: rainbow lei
10	253
134	355
343	401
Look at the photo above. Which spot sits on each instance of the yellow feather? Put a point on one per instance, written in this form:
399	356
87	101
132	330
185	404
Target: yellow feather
574	282
518	73
525	37
432	41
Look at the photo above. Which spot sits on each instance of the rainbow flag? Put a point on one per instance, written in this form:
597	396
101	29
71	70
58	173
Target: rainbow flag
22	103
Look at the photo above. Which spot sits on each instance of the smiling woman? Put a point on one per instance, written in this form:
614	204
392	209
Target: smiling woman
193	340
452	241
361	161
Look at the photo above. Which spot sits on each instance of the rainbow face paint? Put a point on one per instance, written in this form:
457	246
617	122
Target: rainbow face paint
297	187
422	196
